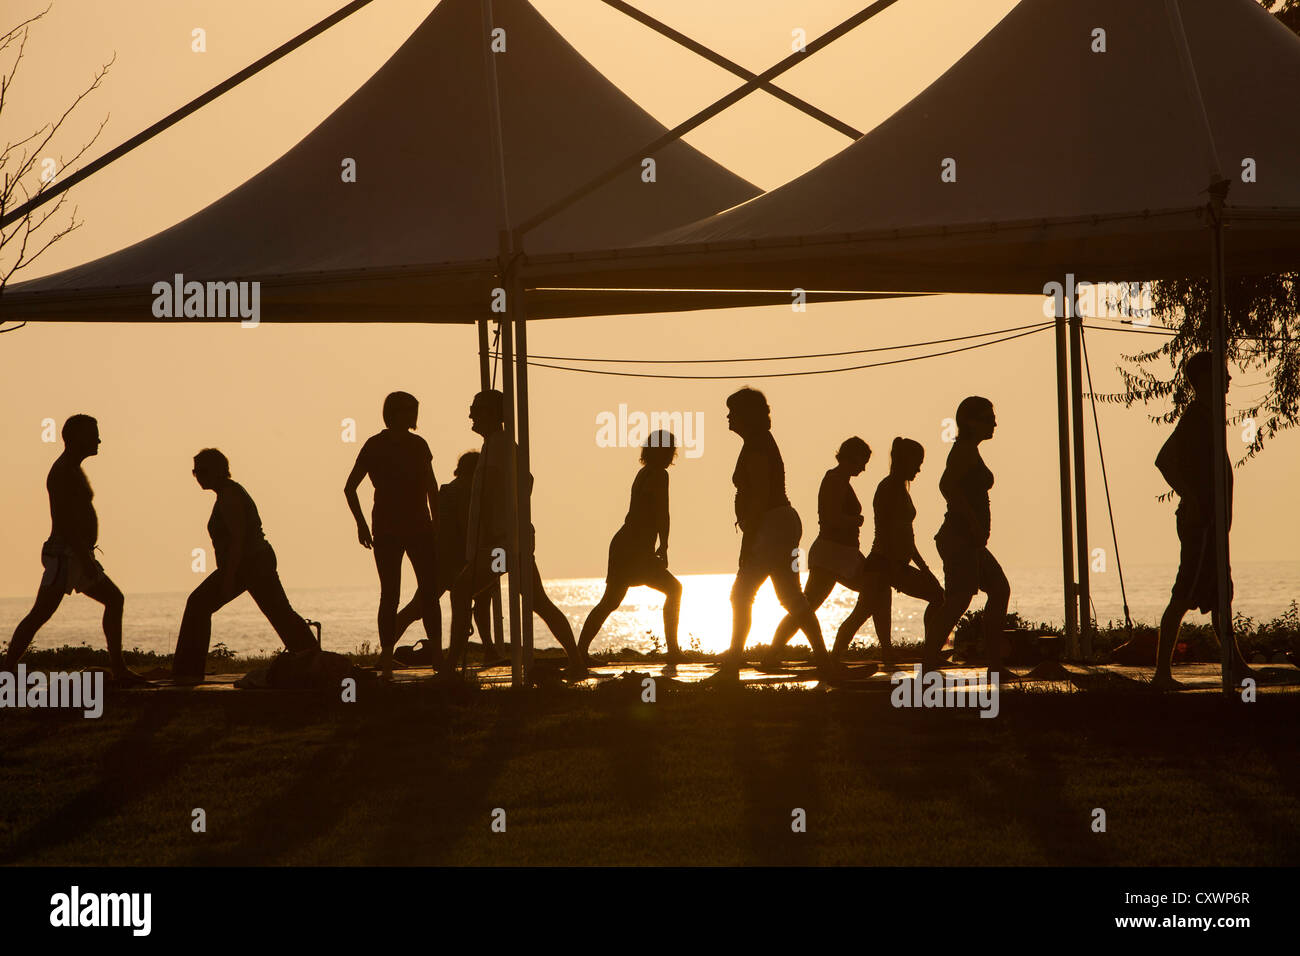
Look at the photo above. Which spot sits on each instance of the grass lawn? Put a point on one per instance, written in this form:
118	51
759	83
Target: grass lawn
410	776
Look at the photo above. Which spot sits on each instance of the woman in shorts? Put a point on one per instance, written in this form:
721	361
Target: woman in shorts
634	556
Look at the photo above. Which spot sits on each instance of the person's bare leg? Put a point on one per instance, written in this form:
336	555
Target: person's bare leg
666	584
462	595
43	608
483	624
871	603
108	594
425	564
786	583
743	591
950	612
609	603
555	620
1170	622
816	591
388	562
408	615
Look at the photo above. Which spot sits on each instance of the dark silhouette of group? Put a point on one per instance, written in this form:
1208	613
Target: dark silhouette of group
461	537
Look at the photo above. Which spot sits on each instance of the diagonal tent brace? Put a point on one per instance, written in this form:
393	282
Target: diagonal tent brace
718	59
760	81
176	116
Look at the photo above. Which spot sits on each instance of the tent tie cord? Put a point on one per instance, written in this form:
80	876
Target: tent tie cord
783	358
1105	482
826	371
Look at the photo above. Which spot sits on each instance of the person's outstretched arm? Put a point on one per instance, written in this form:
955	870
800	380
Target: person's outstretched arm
359	471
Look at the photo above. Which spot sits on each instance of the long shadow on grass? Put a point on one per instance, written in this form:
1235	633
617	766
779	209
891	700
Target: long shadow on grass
131	767
435	801
320	794
772	787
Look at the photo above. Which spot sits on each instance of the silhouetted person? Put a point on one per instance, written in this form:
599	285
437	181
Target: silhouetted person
68	556
492	522
633	557
400	467
453	530
245	562
835	555
968	565
895	563
770	530
1187	462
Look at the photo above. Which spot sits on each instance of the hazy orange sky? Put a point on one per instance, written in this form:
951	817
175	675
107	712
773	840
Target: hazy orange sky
273	399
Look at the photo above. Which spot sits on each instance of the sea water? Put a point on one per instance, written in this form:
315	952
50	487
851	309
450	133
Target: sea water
1263	590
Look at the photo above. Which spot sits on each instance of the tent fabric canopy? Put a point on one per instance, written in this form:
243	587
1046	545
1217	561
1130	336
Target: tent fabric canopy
416	236
1065	159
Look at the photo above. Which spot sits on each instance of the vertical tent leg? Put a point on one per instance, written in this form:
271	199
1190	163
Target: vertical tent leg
1219	438
524	482
512	557
1080	483
485	383
505	258
1067	514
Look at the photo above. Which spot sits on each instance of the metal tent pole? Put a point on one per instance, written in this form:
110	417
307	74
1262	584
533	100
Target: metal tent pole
485	383
512	555
1080	482
1067	517
506	268
515	291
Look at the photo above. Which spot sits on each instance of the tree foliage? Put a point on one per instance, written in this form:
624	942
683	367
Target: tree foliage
1263	338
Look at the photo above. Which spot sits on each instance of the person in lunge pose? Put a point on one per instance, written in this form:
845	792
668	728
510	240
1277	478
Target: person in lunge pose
68	555
968	565
770	531
1187	461
835	556
453	529
400	467
633	556
245	562
492	522
895	563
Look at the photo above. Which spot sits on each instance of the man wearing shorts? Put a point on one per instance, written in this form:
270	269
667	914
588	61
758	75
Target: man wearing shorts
69	554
